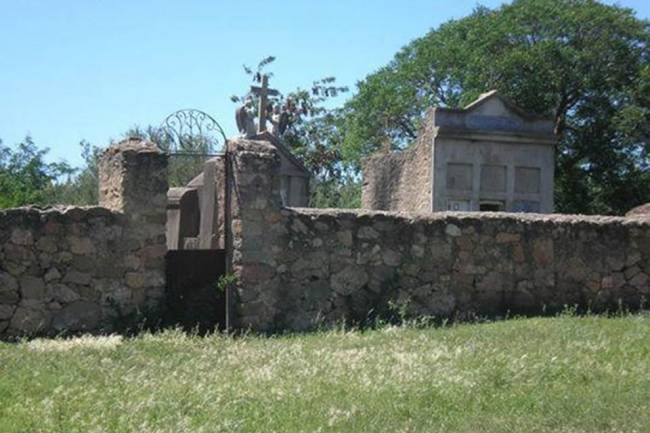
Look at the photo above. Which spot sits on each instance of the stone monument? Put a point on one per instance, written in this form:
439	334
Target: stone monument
488	156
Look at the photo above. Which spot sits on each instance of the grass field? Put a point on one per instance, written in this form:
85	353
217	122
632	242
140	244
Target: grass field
563	374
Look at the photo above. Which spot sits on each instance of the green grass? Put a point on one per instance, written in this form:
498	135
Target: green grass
563	374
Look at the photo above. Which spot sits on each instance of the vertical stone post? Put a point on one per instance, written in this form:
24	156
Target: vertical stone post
255	225
133	181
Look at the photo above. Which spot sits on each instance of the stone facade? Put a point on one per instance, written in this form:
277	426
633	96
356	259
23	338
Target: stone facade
83	268
488	156
299	268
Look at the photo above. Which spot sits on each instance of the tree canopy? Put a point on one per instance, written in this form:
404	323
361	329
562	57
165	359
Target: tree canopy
580	62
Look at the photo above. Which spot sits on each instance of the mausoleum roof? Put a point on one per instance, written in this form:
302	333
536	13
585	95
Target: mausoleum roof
497	116
275	141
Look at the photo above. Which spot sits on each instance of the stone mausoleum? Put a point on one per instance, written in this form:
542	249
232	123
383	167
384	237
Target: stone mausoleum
488	156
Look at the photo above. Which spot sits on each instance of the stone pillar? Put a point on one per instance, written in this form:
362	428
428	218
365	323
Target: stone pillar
255	226
133	181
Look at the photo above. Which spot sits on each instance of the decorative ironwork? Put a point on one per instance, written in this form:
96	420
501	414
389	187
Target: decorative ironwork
192	132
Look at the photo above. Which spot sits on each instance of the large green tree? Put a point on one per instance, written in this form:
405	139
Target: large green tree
581	62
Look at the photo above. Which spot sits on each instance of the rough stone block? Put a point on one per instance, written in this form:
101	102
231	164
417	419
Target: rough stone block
350	279
135	280
8	289
367	233
32	287
543	252
21	236
29	320
52	274
47	244
63	294
77	277
452	230
78	316
81	246
6	311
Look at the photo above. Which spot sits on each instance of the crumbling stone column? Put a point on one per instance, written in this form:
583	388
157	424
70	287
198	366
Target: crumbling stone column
133	181
255	225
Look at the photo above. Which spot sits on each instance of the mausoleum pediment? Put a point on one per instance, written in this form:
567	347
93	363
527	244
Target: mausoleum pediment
493	104
492	113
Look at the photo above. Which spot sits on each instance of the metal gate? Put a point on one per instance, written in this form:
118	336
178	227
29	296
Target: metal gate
196	219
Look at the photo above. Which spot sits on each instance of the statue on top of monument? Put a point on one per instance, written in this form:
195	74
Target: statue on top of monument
279	120
282	116
244	117
245	123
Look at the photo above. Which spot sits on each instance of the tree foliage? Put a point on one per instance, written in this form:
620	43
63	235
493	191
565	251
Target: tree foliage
81	188
25	177
583	63
315	135
182	168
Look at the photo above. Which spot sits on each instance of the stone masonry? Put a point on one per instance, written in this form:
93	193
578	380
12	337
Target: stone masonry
255	205
401	180
82	268
300	268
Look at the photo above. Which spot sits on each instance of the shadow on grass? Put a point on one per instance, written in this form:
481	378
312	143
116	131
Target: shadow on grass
155	321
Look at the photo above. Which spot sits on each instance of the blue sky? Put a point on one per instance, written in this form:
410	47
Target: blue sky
90	69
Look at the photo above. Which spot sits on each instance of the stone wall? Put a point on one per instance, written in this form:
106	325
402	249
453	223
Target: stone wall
86	268
401	181
299	268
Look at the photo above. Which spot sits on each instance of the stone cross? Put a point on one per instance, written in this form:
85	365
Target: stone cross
263	92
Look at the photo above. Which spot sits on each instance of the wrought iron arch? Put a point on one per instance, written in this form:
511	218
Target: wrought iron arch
192	132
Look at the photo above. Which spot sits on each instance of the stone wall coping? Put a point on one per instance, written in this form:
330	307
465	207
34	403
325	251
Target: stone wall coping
451	217
251	145
75	212
640	211
396	154
132	145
